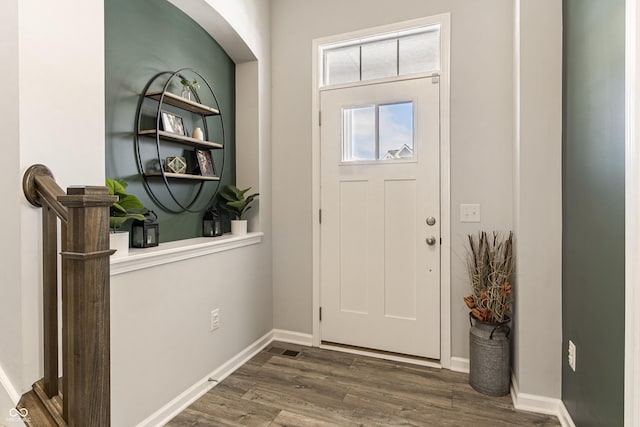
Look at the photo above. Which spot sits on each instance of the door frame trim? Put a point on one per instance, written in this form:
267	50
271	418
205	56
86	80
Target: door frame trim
445	187
632	215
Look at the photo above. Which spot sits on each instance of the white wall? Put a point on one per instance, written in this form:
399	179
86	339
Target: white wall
242	29
538	352
160	339
481	132
61	105
54	113
10	193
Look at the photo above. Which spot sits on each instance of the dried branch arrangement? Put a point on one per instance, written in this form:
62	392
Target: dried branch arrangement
490	264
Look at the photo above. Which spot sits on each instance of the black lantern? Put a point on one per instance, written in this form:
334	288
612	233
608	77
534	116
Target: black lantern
211	223
145	234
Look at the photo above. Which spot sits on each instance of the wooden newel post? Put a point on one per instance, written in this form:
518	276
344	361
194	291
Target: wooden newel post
85	317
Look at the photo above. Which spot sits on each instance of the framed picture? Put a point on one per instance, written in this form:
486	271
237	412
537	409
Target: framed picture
172	123
205	163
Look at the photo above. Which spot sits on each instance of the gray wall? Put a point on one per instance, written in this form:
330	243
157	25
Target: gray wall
143	38
593	210
538	198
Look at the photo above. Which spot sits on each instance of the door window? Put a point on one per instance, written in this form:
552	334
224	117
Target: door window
382	56
378	132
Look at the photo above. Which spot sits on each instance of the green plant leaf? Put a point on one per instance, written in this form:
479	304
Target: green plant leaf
232	200
130	202
238	204
243	192
118	208
251	197
235	192
227	197
127	207
116	222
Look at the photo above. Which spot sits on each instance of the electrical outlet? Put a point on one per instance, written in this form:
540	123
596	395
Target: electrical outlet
572	355
470	212
215	319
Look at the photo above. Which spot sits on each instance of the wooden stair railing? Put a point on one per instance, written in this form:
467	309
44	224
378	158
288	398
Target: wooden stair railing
84	216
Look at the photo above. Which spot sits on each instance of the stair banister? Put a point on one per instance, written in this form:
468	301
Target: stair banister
84	216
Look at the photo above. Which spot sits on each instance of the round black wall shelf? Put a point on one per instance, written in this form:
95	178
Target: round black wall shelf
159	120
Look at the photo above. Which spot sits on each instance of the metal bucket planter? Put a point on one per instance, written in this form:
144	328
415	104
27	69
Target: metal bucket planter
489	357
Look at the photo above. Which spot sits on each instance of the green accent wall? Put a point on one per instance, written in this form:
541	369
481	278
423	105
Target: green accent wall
143	38
593	210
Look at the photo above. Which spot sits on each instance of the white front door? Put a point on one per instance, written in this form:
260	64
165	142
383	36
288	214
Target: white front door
380	230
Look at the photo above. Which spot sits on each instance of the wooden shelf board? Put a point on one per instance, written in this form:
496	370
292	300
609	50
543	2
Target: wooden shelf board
185	104
183	139
183	176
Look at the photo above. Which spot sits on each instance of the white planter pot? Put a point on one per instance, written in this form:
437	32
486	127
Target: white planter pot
238	227
120	242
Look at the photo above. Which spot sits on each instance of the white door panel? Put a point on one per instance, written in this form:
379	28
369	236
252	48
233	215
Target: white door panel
380	280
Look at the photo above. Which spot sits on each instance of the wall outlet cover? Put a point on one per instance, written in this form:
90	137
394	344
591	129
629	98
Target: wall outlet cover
215	319
470	212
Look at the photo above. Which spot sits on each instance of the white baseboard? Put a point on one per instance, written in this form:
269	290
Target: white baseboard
460	364
540	404
564	417
193	393
292	337
8	387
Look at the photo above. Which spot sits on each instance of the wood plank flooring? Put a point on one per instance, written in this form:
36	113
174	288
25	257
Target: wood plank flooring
328	388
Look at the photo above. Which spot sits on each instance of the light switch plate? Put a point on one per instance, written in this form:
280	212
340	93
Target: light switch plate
470	212
572	355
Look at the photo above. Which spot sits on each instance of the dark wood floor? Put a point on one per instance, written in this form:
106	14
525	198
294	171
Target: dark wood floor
327	388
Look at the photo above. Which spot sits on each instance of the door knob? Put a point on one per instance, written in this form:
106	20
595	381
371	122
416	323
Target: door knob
431	240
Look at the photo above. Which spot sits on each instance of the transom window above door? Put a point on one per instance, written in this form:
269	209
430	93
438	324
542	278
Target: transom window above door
378	132
383	56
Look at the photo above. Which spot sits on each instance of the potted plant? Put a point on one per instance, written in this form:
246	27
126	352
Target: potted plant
127	207
234	201
187	85
490	264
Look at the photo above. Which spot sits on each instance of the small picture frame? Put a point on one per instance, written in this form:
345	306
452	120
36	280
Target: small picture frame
172	123
205	163
175	164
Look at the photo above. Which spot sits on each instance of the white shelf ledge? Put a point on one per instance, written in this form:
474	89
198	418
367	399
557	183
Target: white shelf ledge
179	250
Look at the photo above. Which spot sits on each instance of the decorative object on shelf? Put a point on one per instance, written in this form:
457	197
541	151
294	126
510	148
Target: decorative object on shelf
238	227
233	200
490	264
146	233
172	123
205	163
119	242
187	87
176	164
158	127
127	207
197	134
211	223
